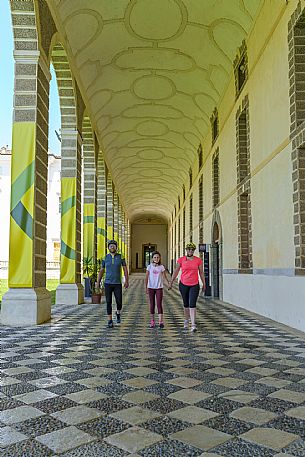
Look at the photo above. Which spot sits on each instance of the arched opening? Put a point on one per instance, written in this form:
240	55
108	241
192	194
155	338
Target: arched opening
216	256
68	118
54	188
6	116
148	233
215	261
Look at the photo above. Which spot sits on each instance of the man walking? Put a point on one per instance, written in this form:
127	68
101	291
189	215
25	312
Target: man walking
113	264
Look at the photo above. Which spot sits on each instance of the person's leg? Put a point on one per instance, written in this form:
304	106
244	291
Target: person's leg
117	289
194	292
151	295
159	297
108	296
185	291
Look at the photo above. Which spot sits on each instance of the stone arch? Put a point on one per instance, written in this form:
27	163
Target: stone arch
90	153
110	208
70	289
28	218
101	206
216	255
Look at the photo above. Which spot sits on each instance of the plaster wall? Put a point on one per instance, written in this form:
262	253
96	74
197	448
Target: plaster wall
272	290
144	234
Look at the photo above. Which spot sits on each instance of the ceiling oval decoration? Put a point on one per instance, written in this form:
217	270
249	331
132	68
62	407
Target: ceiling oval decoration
226	34
148	19
150	173
149	154
100	99
152	111
154	59
82	28
153	87
152	128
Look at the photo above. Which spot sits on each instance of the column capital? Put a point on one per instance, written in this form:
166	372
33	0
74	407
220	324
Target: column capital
33	57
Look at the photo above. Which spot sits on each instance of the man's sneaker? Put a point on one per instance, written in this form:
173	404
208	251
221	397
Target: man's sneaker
186	324
118	318
161	325
152	323
110	323
194	329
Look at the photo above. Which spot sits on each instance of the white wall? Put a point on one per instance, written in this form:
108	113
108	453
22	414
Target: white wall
145	234
53	214
5	193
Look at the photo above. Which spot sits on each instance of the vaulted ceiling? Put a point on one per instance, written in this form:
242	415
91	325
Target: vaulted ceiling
151	72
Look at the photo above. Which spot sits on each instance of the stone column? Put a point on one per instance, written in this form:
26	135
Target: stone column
120	225
90	193
27	301
70	290
123	232
116	217
101	208
110	216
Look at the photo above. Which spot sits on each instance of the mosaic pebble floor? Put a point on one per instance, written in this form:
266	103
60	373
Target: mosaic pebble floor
74	388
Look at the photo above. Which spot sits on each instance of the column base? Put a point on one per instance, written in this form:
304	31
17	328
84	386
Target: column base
26	306
69	294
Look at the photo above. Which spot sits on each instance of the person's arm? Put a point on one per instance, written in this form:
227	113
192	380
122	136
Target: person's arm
201	274
100	275
164	273
146	281
125	269
175	274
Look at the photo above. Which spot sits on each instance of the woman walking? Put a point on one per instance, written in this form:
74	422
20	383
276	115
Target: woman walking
191	267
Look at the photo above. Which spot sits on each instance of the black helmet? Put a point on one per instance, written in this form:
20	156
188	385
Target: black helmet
112	242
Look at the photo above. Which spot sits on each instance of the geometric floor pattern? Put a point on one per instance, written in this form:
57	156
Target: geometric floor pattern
75	388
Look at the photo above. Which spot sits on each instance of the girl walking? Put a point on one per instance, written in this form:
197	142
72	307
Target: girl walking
155	273
191	267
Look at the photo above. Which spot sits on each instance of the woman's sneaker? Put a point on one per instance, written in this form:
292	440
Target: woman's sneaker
152	323
110	323
186	324
118	318
161	325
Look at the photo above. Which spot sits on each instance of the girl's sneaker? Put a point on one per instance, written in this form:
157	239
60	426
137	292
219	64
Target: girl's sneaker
194	329
186	324
152	323
110	324
161	325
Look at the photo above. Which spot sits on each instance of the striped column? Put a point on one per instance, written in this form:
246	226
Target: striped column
70	289
27	301
120	220
110	215
116	217
90	194
128	235
101	208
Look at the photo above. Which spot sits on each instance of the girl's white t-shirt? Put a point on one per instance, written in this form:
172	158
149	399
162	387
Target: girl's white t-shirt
155	278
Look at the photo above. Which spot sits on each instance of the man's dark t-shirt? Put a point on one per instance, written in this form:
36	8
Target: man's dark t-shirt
113	265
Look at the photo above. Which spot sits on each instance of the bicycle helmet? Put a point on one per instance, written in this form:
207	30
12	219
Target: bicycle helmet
190	245
112	242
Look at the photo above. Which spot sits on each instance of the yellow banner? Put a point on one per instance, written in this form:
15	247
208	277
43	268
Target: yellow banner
110	234
22	205
68	231
101	237
88	240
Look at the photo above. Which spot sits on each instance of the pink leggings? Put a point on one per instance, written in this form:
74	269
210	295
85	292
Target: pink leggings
158	293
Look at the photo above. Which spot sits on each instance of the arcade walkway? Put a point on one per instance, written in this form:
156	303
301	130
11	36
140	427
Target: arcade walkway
75	388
